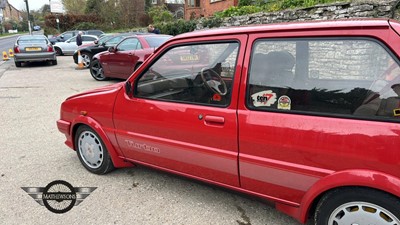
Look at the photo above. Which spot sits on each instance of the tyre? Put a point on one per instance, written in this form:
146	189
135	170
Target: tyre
96	70
86	57
54	62
58	51
357	206
91	151
18	64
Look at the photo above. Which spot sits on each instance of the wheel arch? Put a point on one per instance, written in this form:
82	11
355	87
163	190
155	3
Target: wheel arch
87	52
90	122
97	60
96	57
347	179
137	65
57	47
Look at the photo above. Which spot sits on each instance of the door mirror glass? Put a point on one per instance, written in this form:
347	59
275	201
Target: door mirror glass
112	49
128	88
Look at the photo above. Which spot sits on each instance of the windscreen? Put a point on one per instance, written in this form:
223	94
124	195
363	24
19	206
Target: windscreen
32	39
156	41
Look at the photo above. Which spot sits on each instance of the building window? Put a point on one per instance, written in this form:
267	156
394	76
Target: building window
193	3
154	2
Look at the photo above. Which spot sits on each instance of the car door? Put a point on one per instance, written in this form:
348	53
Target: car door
174	121
69	46
88	39
127	54
119	56
300	118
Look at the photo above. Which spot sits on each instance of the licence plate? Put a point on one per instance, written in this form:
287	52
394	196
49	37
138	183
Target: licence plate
189	58
32	49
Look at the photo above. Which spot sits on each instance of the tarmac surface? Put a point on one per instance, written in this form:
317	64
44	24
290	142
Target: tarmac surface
33	154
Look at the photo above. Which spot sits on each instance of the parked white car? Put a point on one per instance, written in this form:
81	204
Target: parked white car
69	46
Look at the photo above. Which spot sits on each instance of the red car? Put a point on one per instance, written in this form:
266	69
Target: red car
121	60
306	115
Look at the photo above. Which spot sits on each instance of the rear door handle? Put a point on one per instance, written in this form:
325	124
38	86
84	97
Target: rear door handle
214	120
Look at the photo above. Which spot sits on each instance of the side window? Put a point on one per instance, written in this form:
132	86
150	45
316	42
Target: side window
355	76
113	41
86	38
67	36
129	44
200	74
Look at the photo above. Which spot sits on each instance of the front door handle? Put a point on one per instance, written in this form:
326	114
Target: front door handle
214	120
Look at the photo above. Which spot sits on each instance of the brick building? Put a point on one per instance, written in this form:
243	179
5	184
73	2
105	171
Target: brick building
10	12
206	8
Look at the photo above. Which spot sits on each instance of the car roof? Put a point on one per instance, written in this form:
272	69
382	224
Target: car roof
145	36
70	31
89	35
86	35
311	25
96	31
32	35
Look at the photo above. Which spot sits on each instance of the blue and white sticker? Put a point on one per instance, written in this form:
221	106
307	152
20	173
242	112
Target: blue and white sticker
263	98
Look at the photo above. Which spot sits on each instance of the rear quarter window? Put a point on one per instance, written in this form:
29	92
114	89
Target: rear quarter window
356	77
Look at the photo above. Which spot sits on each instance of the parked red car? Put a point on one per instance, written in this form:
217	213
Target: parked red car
306	115
120	61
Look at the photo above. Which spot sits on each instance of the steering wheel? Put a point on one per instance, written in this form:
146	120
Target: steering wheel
213	84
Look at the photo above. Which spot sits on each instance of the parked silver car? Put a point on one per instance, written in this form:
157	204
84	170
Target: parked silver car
69	46
31	48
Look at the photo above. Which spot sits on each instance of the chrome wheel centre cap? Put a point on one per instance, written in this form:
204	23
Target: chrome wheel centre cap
89	150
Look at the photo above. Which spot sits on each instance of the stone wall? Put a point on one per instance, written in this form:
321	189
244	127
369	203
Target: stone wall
339	10
349	60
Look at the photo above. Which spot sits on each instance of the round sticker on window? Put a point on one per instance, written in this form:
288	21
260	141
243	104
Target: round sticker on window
284	102
263	98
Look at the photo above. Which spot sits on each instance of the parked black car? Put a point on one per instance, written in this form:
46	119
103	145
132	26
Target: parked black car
104	43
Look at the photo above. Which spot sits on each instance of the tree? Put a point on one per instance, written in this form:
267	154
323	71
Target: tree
45	9
110	14
160	14
130	12
94	6
74	6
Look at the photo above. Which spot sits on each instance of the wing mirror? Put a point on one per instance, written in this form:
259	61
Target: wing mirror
96	42
112	49
128	89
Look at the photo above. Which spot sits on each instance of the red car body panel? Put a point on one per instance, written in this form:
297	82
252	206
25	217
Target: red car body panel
121	64
291	159
101	120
